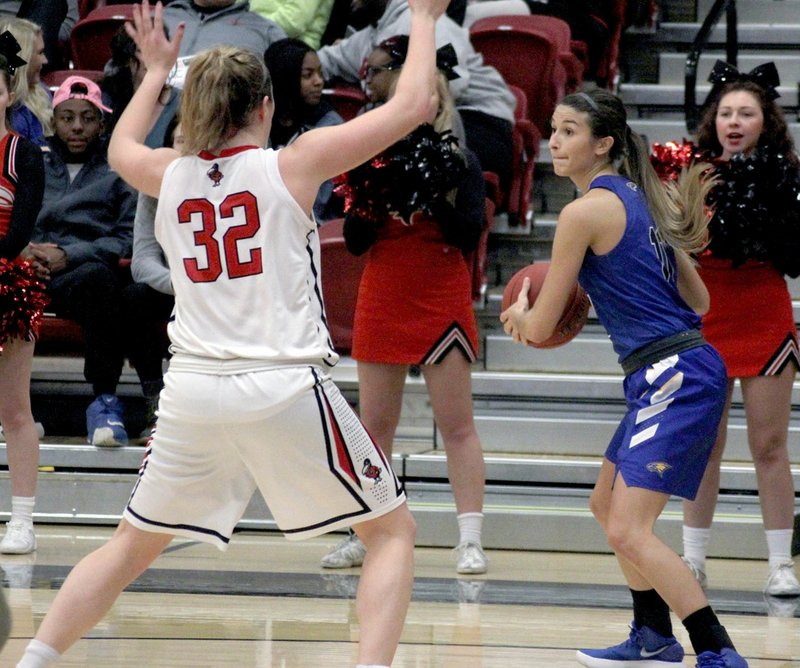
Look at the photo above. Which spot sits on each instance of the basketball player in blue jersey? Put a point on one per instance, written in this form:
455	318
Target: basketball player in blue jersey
247	400
627	240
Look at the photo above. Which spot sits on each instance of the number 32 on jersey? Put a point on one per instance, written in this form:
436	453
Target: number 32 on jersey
222	253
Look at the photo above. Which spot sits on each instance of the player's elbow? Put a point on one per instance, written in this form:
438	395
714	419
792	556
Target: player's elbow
701	308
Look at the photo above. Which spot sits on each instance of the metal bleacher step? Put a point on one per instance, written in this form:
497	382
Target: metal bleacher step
651	95
756	11
531	502
672	65
761	32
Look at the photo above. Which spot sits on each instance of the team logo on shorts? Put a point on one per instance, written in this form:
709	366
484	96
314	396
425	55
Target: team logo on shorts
369	470
659	468
215	175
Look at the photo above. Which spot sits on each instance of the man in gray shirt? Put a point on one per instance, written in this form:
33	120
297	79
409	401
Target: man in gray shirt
483	100
214	22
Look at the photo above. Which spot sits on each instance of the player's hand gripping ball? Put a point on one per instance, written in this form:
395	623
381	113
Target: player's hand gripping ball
575	313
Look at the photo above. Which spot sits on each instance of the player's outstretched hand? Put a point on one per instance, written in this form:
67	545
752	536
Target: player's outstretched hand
434	8
147	31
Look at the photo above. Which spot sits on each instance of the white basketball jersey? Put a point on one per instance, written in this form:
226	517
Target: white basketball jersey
244	260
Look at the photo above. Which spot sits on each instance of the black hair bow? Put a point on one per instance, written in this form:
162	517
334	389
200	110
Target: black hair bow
446	61
766	76
10	48
397	48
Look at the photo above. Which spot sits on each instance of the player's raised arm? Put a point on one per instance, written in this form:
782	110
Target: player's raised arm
141	166
326	152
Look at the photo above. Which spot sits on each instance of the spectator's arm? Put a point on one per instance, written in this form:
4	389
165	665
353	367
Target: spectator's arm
29	167
142	167
344	58
118	242
148	264
69	21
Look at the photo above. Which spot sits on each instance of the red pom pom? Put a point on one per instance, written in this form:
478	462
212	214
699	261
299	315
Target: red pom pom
669	159
22	300
575	313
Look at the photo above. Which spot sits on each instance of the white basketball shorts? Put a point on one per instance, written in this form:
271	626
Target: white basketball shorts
287	431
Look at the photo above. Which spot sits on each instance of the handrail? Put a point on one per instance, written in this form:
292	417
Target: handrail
691	109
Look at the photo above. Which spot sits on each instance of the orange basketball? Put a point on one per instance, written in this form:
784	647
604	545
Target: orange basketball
575	313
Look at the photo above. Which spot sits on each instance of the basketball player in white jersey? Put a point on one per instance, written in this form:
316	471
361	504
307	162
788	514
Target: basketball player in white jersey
247	402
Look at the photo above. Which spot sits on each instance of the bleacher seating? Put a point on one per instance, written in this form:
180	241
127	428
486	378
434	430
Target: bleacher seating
507	41
605	71
341	274
571	53
526	140
55	78
479	10
478	260
346	99
90	41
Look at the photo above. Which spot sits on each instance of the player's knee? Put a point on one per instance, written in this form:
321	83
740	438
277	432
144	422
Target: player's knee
623	540
770	448
407	526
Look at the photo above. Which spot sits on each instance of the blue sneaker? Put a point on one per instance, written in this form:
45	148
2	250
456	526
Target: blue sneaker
104	423
644	649
728	658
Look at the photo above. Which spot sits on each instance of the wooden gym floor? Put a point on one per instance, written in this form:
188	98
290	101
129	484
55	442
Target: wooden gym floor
267	603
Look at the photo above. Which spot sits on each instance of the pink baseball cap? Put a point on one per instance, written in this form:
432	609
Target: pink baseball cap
80	88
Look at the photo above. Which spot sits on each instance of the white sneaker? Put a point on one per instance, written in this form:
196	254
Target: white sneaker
782	581
699	573
782	606
470	558
345	554
19	538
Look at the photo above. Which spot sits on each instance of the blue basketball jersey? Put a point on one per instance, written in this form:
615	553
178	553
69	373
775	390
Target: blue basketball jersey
634	287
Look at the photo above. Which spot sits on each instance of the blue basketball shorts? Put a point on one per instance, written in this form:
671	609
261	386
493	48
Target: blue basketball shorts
674	407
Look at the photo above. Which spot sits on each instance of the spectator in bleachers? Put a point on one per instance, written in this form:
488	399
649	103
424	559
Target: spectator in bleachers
414	302
481	96
300	19
22	183
32	111
85	227
152	296
215	22
297	81
122	76
56	18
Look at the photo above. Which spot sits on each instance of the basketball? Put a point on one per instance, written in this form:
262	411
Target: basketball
575	313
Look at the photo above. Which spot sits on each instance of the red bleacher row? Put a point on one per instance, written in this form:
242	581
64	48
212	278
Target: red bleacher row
536	56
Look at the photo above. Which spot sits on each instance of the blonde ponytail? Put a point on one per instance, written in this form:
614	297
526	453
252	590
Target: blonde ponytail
678	208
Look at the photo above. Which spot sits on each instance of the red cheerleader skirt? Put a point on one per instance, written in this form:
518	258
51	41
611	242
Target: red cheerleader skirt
750	322
414	302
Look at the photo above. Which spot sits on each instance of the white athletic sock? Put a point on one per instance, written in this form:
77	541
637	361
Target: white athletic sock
38	655
469	527
22	508
779	544
695	545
